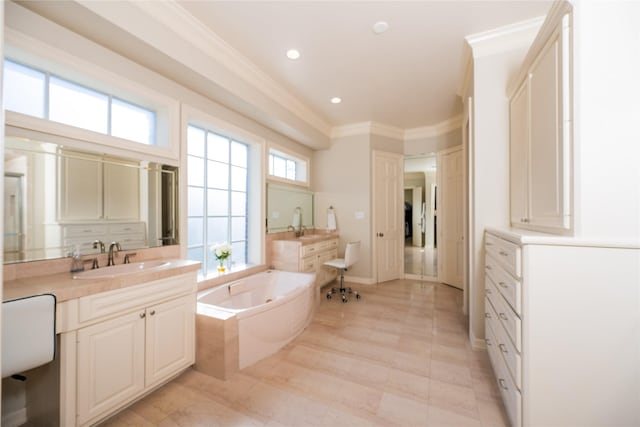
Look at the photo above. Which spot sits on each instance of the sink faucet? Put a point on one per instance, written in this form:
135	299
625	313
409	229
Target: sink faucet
98	243
113	247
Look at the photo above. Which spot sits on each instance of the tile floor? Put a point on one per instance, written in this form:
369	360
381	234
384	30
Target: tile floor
398	357
421	261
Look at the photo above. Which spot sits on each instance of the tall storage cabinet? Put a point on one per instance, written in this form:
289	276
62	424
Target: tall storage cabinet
562	320
540	138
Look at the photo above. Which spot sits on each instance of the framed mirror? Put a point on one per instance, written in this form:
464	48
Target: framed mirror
58	198
288	206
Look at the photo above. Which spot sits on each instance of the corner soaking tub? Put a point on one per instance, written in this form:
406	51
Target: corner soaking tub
271	309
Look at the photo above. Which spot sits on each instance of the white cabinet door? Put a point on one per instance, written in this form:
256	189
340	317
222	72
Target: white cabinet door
121	192
519	154
80	188
547	163
170	338
110	364
451	238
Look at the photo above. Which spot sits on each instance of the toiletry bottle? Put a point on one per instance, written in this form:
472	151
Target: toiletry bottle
76	260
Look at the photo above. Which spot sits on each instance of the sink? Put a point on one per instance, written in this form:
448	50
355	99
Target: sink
120	270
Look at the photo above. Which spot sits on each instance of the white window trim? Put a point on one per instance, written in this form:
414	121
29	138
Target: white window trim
277	179
256	198
41	56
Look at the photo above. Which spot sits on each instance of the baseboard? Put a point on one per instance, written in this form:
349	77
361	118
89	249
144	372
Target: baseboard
477	343
421	277
15	418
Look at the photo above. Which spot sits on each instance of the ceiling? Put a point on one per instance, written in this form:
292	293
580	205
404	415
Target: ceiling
405	78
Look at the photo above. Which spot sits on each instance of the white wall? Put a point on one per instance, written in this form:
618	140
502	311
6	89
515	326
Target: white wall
489	167
433	144
607	135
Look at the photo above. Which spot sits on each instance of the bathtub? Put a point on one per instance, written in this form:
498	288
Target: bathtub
271	308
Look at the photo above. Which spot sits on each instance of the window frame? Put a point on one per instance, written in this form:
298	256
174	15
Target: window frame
41	56
256	184
288	155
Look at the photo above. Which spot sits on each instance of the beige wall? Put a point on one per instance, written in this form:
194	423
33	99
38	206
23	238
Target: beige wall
341	177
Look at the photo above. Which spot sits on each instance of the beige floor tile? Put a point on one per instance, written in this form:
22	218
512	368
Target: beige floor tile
454	398
408	384
439	417
127	418
402	411
451	373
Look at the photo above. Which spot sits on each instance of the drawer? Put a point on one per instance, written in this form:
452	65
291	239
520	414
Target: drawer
307	250
512	358
89	230
308	264
507	317
509	286
511	397
491	318
327	256
110	303
128	228
330	244
508	254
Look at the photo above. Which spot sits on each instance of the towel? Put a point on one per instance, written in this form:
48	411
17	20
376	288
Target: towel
331	220
296	218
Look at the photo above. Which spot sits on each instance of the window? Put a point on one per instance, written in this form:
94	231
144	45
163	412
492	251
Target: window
217	191
287	167
40	94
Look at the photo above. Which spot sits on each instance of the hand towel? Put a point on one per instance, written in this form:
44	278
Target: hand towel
331	220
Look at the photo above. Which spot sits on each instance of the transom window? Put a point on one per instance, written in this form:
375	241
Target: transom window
43	95
287	167
217	175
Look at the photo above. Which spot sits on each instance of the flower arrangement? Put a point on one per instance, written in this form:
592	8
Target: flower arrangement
221	251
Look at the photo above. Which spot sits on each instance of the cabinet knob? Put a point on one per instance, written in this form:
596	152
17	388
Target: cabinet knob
503	316
488	341
503	253
502	284
487	315
143	315
487	291
503	383
152	312
503	348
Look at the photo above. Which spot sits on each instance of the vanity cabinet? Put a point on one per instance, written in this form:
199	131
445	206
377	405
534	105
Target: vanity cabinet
307	257
120	344
540	138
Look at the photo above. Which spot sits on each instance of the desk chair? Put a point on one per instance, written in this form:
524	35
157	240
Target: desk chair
351	254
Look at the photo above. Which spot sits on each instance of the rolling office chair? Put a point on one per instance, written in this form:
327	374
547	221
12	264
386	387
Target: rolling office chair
351	254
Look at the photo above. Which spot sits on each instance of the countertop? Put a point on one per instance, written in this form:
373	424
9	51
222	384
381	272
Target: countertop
525	237
309	239
65	287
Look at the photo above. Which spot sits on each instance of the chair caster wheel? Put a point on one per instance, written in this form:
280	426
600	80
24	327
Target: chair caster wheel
329	296
344	299
357	296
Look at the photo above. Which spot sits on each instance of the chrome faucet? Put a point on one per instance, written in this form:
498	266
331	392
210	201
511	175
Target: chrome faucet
98	243
113	247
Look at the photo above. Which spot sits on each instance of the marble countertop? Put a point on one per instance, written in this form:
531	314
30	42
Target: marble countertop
65	287
308	239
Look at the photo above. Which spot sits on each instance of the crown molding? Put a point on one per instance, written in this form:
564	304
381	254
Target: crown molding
504	38
375	128
435	130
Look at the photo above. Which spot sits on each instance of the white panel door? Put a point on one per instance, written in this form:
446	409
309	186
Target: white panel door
388	181
110	364
417	217
170	338
80	188
451	216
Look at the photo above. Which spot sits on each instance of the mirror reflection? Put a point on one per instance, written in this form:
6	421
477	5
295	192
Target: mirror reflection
288	206
58	199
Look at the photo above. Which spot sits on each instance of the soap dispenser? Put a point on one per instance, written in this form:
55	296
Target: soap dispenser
76	260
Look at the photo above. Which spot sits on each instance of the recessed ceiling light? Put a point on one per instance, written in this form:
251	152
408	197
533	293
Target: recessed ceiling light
293	54
336	100
380	27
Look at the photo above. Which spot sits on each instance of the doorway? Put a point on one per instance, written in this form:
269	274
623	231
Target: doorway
420	217
13	217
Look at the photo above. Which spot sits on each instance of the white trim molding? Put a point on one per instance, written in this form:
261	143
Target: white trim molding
402	135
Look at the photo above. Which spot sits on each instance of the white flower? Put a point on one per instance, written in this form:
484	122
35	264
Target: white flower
221	250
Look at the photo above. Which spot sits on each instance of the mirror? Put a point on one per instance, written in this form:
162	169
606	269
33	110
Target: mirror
288	206
58	198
